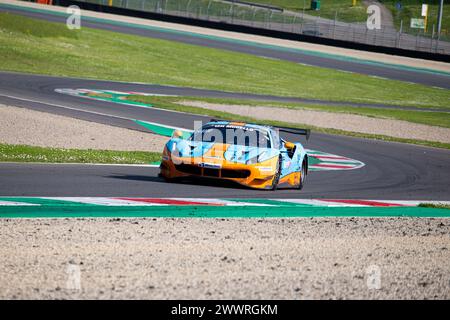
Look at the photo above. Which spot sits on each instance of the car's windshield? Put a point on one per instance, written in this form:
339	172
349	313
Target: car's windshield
233	134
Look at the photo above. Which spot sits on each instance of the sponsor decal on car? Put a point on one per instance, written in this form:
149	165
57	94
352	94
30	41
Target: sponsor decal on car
210	165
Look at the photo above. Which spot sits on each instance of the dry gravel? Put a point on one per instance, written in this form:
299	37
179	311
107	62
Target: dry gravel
29	127
225	258
341	121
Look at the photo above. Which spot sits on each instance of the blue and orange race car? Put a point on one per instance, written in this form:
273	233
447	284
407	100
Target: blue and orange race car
249	154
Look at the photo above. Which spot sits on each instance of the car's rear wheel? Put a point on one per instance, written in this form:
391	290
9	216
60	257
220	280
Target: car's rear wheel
276	178
302	176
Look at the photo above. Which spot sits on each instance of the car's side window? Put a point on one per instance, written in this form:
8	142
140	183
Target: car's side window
276	139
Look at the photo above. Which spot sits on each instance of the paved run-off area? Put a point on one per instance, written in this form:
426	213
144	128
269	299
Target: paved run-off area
150	258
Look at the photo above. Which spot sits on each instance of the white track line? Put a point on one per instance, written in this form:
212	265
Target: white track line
15	203
317	203
87	164
104	201
225	202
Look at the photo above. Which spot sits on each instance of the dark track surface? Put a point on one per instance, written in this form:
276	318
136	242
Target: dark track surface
401	181
392	171
299	57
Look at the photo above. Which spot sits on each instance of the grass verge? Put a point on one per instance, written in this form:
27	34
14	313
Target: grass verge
413	9
24	153
169	103
100	54
343	9
434	205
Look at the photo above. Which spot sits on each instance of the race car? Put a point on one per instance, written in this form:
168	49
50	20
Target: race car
251	155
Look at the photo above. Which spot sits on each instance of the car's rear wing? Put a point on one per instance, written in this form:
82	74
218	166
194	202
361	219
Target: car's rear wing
303	132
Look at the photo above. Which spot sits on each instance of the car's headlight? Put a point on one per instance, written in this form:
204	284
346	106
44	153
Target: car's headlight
256	159
252	160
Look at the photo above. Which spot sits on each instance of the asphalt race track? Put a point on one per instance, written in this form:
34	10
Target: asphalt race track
392	170
379	70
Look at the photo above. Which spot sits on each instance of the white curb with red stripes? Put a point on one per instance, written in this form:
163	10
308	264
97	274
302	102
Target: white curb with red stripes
330	161
128	201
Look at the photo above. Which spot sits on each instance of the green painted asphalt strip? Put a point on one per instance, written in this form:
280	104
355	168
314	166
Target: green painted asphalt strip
157	129
62	211
243	42
161	129
118	99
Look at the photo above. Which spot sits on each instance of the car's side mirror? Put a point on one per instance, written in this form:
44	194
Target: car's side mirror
177	134
289	145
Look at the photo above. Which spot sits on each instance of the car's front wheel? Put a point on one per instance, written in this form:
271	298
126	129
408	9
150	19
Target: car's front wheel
276	178
302	176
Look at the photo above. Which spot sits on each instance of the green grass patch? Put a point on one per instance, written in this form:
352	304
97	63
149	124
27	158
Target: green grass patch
328	9
24	153
107	55
170	103
434	205
33	28
413	9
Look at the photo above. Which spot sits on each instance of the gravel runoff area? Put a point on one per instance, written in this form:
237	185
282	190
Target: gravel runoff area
35	128
155	258
372	56
341	121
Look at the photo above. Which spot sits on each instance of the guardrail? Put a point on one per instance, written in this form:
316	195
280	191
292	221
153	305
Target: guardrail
263	21
254	4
